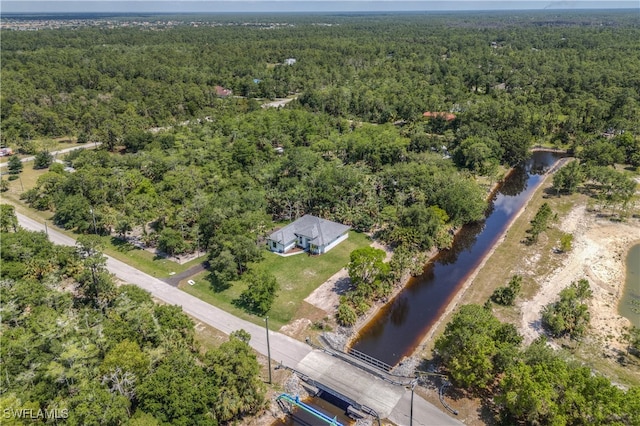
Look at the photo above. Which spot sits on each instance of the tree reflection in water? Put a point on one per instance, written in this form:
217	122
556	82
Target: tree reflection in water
400	325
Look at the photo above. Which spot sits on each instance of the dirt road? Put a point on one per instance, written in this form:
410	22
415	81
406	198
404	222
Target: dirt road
62	151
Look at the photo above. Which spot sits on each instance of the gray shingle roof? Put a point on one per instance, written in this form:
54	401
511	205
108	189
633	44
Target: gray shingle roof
319	231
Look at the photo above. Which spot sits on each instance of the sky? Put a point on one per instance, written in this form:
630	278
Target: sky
213	6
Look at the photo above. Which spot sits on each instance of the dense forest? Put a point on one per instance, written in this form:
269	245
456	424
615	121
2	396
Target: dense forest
186	165
77	347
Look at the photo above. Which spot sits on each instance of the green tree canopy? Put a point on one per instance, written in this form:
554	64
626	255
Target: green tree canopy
179	392
131	361
569	315
260	293
8	218
568	178
540	222
14	165
236	375
475	347
42	160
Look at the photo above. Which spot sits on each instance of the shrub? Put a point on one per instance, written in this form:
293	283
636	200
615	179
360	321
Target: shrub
570	315
539	223
42	160
506	295
346	316
566	241
14	165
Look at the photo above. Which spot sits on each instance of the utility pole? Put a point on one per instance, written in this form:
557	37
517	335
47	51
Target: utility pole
266	325
413	386
198	241
95	228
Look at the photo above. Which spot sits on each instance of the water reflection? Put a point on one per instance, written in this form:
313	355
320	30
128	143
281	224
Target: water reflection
400	311
328	405
464	241
516	183
629	305
398	328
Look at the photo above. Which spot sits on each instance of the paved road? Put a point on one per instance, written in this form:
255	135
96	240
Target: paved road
277	103
90	145
390	401
283	348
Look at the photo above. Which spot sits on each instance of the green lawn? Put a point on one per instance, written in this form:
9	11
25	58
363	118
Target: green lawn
55	144
297	276
145	260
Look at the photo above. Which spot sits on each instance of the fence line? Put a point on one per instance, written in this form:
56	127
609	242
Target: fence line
370	360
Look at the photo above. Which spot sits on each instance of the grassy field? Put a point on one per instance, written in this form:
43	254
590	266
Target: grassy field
26	180
144	260
297	276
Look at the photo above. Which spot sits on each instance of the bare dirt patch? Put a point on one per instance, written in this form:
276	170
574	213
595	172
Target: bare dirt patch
327	296
599	249
295	327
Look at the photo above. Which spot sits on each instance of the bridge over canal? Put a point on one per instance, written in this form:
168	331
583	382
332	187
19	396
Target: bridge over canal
391	401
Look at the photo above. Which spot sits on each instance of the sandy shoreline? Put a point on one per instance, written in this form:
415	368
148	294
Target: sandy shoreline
599	252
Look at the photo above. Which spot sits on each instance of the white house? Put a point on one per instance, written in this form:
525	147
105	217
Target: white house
289	61
310	233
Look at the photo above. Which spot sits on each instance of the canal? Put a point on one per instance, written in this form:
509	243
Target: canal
400	326
327	404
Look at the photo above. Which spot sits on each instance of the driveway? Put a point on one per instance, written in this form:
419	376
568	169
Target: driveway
389	401
283	348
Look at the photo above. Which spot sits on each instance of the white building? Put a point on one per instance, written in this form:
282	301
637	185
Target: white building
310	233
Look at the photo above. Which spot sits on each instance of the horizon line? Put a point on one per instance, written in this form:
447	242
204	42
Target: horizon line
14	7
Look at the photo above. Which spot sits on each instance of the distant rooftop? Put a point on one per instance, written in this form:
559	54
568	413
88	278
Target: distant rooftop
446	115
